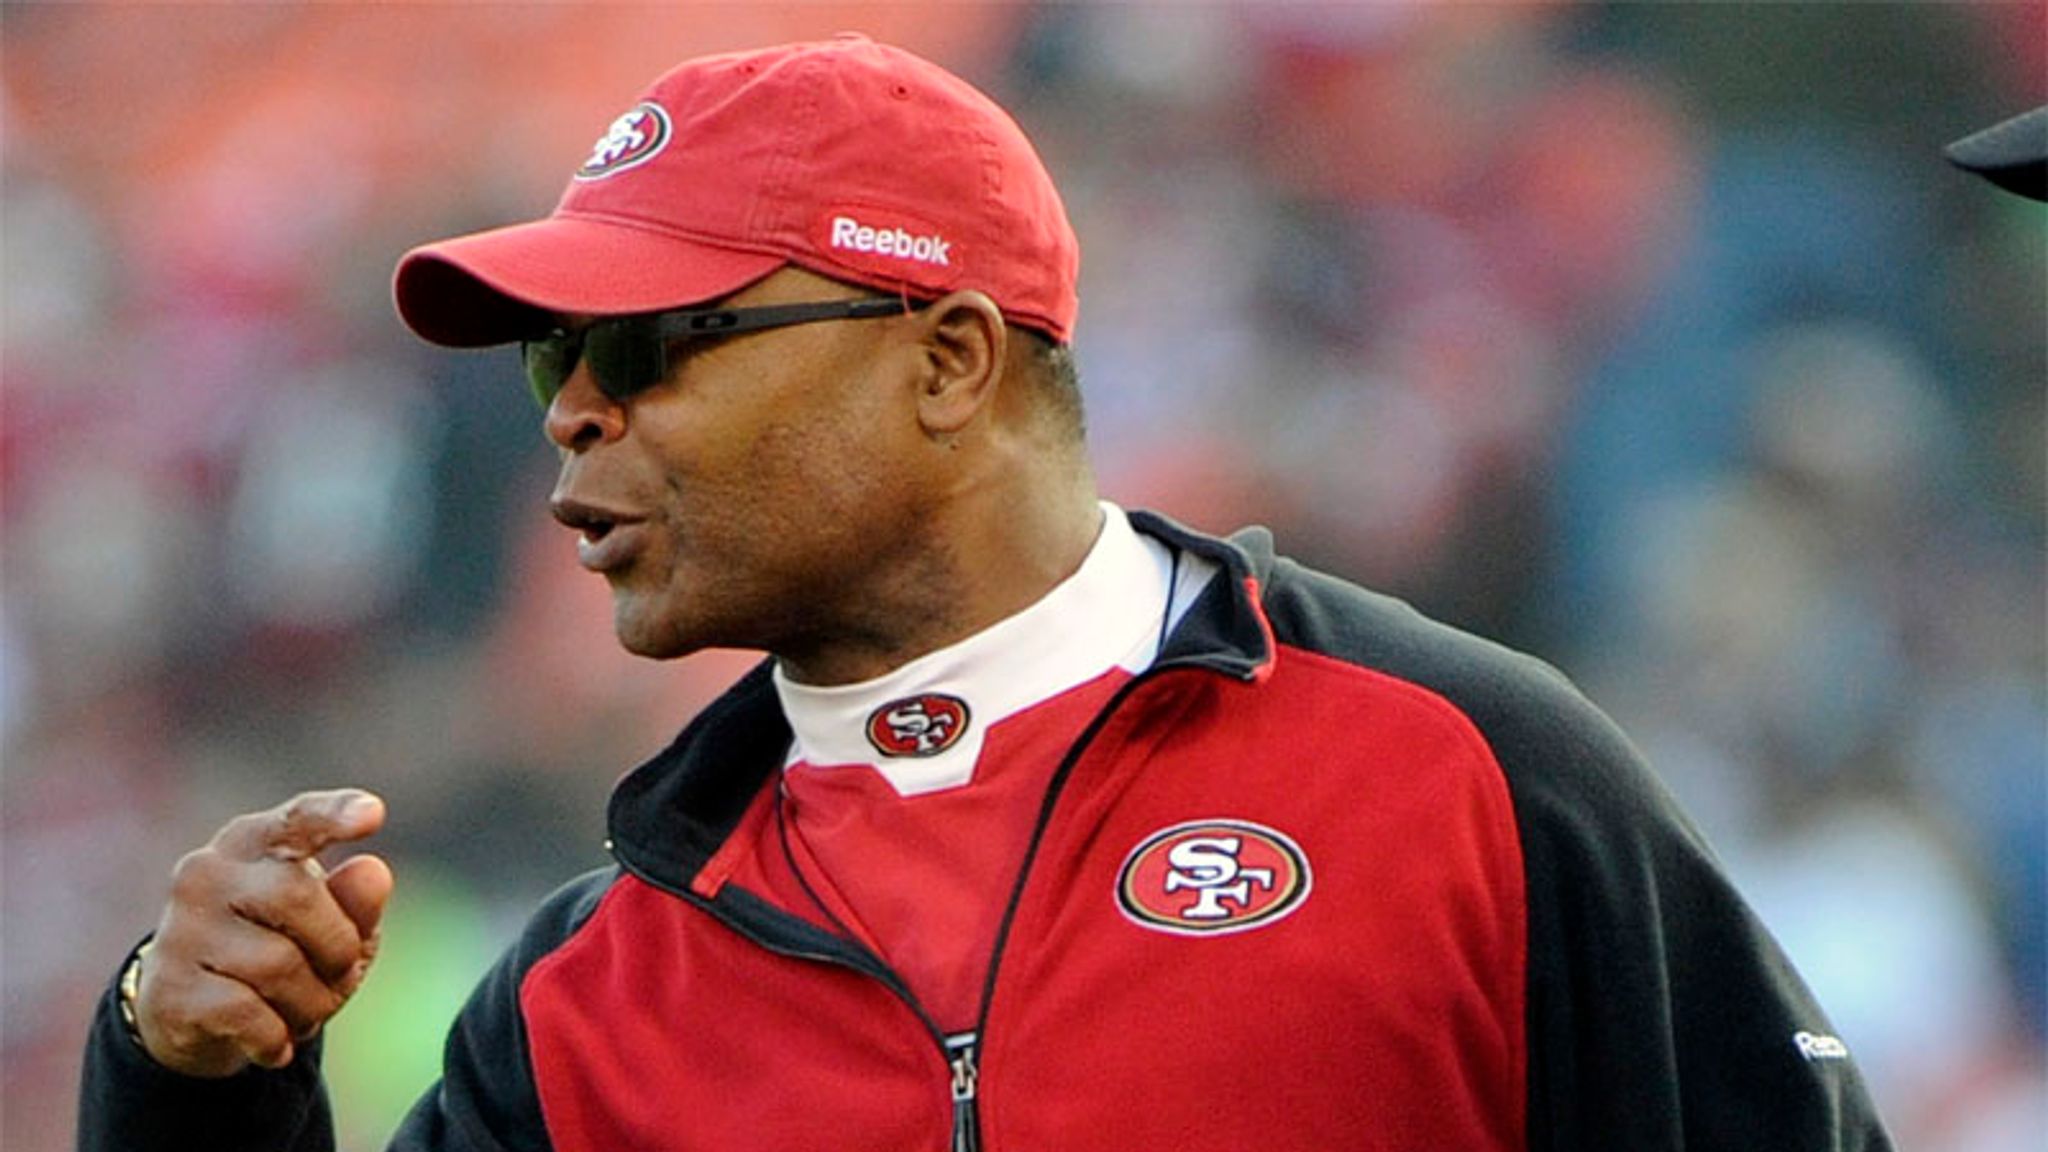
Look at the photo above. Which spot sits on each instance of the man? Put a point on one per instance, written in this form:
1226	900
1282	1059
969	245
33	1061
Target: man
2012	153
1046	826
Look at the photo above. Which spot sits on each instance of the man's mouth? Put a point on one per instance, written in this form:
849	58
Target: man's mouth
608	538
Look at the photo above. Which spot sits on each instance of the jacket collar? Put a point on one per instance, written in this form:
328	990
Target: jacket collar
670	815
1227	628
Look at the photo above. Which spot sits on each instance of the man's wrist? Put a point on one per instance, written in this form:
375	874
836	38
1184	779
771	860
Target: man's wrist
130	990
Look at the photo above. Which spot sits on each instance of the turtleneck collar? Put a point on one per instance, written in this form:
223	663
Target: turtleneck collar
921	725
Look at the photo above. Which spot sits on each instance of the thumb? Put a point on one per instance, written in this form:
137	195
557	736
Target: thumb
362	885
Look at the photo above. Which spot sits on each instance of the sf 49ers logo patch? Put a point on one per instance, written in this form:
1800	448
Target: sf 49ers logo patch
632	140
918	725
1208	877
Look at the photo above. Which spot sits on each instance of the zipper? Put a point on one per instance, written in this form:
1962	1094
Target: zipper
961	1048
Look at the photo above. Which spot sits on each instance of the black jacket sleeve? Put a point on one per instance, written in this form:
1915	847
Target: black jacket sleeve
130	1103
1660	1014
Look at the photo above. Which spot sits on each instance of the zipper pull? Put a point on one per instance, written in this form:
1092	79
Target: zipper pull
960	1050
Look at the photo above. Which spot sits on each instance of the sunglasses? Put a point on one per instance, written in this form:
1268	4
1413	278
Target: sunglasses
630	354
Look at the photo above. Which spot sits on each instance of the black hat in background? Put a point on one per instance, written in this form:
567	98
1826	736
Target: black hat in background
2012	154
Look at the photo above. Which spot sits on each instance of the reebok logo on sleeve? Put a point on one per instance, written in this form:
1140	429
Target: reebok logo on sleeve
1817	1046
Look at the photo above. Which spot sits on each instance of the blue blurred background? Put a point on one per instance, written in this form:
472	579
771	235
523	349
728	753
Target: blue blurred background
1656	338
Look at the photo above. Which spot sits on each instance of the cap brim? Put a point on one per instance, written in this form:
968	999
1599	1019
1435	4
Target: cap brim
508	284
2012	154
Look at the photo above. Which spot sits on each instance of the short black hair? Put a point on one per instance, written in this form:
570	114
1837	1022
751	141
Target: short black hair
1059	376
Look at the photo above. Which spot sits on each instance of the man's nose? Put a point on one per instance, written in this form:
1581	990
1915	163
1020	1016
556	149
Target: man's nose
581	416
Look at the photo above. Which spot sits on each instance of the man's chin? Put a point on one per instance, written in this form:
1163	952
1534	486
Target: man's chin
655	640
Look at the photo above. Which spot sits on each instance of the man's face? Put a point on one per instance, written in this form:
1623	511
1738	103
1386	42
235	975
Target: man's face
762	494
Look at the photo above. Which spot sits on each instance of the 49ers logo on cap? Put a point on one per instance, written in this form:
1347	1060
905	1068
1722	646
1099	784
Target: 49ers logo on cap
918	725
1208	877
632	140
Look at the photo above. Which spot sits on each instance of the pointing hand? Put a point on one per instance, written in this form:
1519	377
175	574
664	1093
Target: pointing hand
259	945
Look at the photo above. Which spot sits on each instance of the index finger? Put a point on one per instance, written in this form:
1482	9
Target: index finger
303	825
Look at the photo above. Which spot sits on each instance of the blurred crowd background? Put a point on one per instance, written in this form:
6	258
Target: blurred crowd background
1656	338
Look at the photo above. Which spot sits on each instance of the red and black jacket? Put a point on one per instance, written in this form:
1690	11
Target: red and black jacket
1328	875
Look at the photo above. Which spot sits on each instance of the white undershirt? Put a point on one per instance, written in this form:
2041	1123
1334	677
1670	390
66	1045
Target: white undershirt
1109	613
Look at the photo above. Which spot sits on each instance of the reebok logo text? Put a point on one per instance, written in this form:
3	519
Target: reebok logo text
1816	1046
852	234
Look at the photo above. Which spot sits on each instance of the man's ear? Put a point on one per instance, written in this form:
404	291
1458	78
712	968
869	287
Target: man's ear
965	346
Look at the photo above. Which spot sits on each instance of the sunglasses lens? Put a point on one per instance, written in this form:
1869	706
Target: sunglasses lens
549	363
627	355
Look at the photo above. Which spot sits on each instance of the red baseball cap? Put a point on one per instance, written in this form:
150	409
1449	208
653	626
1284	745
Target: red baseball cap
853	159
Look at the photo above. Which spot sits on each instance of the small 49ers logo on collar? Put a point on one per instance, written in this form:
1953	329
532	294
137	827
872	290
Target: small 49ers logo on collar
917	725
1209	877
